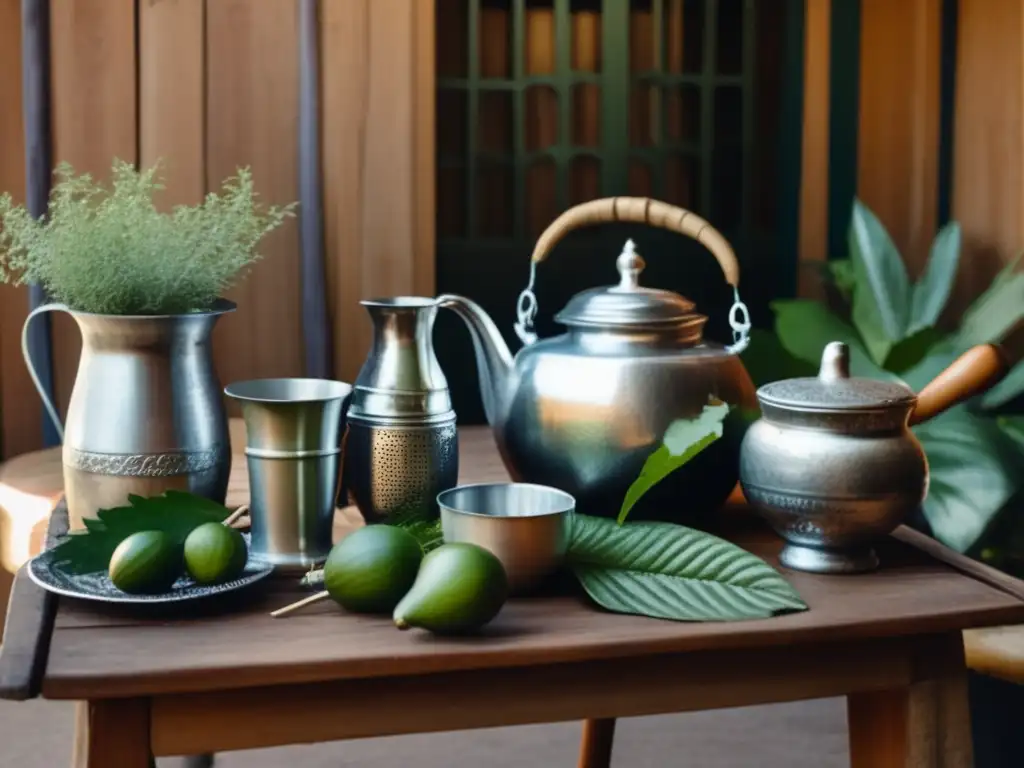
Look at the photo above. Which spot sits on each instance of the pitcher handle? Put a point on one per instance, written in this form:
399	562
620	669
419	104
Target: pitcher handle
51	410
638	210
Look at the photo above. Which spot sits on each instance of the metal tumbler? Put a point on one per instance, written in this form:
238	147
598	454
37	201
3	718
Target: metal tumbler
292	449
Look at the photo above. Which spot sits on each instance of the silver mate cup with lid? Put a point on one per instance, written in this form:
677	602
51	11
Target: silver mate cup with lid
401	446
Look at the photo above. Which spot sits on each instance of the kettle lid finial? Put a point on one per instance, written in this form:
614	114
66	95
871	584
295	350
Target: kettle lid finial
630	264
835	362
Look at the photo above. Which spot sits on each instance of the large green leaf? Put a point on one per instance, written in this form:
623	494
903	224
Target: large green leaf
176	513
930	294
881	298
996	312
671	572
683	440
804	327
1013	427
1006	390
971	477
766	360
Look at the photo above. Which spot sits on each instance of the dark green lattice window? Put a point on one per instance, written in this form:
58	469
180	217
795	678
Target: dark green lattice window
544	104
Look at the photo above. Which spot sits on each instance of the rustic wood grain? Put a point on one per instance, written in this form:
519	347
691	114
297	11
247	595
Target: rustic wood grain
172	97
596	743
628	687
815	144
252	109
113	654
378	164
112	733
94	119
898	136
20	407
925	724
29	627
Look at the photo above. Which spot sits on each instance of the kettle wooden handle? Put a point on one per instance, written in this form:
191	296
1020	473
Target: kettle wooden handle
975	371
641	210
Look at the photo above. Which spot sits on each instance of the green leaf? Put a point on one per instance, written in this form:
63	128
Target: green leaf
909	353
1006	390
176	513
766	360
996	312
1013	427
883	289
971	477
930	294
683	440
668	571
804	327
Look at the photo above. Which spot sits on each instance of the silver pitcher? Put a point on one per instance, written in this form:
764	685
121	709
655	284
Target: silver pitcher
292	430
401	448
146	413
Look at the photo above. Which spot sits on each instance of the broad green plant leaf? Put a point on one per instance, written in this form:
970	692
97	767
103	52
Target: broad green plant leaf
1011	387
669	571
683	440
176	513
910	352
930	294
971	477
766	360
881	298
1013	427
996	312
804	327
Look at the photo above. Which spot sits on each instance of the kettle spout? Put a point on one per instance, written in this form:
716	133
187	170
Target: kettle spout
493	358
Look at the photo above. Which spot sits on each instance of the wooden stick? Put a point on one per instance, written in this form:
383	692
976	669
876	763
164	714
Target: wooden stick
300	604
234	516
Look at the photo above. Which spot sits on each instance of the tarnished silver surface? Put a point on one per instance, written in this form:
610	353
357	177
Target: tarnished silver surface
146	413
97	586
401	447
526	526
293	450
584	410
835	471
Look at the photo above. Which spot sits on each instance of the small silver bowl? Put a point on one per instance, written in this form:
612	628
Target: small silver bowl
526	526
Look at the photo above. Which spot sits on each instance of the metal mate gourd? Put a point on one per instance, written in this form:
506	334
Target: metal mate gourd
582	411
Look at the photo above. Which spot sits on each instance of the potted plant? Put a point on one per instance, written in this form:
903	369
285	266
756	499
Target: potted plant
895	330
146	288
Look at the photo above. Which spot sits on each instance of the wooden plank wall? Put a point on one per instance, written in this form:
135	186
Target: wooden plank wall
210	85
988	148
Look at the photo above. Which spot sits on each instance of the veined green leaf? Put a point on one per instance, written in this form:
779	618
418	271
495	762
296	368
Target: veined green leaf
683	440
672	572
804	327
971	480
930	294
176	513
996	312
1006	390
883	288
1013	427
766	360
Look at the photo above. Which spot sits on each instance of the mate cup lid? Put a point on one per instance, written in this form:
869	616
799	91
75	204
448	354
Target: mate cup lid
630	306
833	389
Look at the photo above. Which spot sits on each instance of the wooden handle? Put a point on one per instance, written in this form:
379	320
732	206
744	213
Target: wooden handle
972	373
641	210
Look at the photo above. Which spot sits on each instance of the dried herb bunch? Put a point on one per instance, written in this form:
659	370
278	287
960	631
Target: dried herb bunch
107	249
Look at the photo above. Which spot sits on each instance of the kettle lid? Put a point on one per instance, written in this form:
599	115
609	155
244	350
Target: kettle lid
629	305
834	389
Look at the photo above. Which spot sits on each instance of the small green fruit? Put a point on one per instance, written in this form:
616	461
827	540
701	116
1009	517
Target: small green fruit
459	589
146	562
215	553
372	568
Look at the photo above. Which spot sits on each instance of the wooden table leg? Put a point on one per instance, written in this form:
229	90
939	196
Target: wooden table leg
112	732
927	725
596	744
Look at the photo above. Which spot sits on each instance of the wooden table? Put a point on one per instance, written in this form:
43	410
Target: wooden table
890	641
